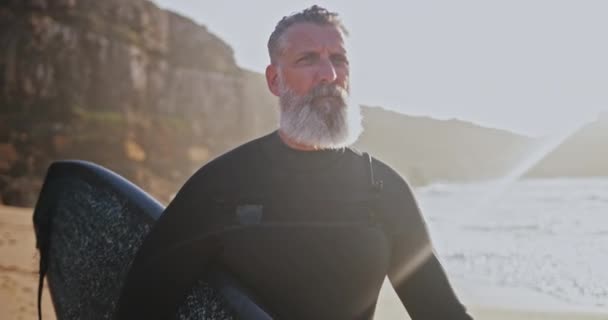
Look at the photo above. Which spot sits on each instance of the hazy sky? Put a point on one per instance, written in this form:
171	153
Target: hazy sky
531	66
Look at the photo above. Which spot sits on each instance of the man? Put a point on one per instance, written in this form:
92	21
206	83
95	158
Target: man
362	220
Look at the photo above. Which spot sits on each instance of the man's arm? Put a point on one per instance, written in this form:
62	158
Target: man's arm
163	268
422	284
415	272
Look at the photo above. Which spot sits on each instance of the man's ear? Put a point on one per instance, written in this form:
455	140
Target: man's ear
272	79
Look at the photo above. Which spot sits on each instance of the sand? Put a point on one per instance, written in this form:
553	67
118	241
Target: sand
19	267
19	284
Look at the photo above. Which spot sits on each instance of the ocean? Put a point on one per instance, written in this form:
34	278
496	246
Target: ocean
548	237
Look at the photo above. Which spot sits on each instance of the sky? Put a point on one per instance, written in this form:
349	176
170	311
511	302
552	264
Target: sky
533	67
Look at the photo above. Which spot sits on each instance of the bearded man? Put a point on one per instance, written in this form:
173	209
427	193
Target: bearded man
329	223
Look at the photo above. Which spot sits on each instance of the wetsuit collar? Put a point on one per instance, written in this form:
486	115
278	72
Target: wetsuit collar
282	155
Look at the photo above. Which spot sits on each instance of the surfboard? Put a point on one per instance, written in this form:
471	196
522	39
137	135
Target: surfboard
90	223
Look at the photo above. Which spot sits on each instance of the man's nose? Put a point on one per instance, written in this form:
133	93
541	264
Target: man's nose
327	72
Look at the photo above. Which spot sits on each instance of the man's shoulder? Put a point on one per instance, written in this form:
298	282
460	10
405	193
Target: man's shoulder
243	151
382	169
375	161
236	158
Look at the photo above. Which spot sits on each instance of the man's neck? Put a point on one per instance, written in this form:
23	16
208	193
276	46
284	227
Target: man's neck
295	145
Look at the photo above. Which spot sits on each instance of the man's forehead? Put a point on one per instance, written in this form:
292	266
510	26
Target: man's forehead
307	35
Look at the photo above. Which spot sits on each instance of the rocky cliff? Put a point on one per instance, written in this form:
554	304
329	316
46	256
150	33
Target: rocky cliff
427	150
143	91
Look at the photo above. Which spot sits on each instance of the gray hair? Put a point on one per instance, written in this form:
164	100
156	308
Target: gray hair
314	14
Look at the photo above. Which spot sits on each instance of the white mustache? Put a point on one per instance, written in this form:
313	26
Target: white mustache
327	91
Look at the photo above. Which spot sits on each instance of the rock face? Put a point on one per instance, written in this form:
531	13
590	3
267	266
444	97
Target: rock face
426	150
143	91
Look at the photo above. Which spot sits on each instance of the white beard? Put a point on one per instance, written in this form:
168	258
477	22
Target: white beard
330	122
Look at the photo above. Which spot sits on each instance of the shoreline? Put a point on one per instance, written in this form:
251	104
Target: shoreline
497	313
487	303
482	296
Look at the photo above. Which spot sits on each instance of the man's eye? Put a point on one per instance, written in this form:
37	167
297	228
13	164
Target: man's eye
340	59
305	59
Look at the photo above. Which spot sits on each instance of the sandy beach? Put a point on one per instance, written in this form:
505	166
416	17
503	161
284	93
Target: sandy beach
19	267
19	280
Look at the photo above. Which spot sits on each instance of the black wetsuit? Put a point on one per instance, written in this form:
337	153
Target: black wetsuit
282	185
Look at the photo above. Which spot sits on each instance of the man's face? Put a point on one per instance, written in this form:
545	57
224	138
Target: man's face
311	78
310	55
